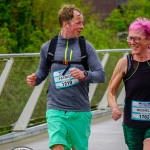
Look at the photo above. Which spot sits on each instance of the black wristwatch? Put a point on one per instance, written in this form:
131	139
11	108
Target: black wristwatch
86	74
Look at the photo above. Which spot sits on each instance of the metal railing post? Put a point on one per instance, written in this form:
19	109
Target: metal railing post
26	114
5	73
93	86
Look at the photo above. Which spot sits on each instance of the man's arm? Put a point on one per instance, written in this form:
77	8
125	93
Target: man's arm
43	69
96	73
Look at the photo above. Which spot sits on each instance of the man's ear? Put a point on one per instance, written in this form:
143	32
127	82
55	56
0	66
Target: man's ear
65	24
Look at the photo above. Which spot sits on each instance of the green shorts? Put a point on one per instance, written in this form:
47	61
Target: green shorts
71	129
134	137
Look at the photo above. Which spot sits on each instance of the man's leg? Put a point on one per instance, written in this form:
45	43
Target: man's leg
58	147
79	129
57	130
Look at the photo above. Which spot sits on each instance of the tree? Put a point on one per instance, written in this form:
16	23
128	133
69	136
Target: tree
120	19
45	20
28	20
6	42
17	16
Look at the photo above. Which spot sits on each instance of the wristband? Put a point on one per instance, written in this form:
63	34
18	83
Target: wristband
85	74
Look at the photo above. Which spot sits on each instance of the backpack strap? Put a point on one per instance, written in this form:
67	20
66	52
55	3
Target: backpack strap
51	50
132	66
84	58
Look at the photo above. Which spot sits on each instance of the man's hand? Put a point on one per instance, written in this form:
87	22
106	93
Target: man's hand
31	79
77	73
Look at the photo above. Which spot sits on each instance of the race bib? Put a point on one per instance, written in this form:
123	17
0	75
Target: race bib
64	81
140	111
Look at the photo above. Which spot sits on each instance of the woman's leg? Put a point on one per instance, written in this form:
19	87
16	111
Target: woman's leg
146	144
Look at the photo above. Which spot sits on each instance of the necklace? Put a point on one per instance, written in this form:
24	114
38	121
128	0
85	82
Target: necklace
148	63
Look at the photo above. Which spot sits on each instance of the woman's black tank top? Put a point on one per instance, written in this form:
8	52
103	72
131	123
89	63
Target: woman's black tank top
137	99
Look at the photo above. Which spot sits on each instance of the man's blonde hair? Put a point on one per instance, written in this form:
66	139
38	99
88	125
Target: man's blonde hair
66	13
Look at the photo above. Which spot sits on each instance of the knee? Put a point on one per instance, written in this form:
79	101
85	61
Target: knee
58	147
147	140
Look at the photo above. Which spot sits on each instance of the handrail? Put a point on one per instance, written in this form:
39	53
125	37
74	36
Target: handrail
38	54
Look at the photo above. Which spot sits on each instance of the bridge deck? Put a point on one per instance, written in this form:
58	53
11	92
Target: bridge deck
106	134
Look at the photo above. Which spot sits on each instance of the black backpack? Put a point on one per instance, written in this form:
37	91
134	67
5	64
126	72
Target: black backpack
51	53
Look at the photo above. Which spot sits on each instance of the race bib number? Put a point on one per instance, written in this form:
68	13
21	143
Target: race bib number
140	111
63	81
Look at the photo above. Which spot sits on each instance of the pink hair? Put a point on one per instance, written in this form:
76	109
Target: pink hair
141	24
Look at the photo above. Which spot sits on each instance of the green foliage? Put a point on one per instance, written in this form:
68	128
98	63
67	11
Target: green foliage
6	42
31	23
18	18
120	19
25	25
21	25
5	130
4	12
101	37
36	40
116	21
135	9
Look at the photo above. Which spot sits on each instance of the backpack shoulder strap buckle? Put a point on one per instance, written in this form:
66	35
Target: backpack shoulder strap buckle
65	62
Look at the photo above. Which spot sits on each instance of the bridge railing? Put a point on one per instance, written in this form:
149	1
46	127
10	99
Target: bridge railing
19	103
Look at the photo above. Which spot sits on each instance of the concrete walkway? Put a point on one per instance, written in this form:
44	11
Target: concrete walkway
106	134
